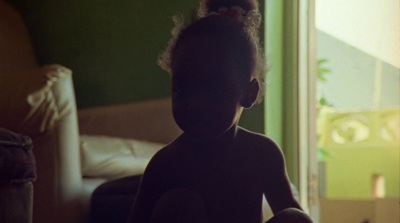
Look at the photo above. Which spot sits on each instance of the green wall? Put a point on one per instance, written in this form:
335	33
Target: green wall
274	82
281	89
349	173
111	47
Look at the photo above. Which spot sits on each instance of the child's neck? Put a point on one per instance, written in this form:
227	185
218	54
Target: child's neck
223	140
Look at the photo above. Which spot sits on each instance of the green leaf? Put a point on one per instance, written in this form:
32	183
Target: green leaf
321	77
320	61
324	153
324	70
321	70
322	101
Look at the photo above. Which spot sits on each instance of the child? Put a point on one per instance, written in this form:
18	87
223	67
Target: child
216	171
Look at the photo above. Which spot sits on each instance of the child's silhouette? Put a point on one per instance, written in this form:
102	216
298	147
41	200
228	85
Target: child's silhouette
216	171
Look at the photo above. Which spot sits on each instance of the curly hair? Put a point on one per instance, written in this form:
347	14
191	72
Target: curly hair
243	38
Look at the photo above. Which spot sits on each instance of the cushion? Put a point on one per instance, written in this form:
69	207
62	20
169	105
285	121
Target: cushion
113	157
28	99
17	162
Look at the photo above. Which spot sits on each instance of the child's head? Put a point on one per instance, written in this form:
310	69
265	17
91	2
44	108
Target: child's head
216	65
239	36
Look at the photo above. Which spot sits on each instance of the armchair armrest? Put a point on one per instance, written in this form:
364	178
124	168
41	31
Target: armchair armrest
40	103
59	184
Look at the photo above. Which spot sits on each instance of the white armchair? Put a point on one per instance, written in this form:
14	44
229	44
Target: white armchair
49	116
40	102
31	104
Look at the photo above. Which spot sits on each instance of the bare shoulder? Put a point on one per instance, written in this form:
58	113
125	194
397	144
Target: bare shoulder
261	143
268	155
163	155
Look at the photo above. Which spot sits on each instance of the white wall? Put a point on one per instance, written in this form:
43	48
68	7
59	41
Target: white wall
351	84
370	25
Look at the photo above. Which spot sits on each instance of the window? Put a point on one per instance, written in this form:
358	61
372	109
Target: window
358	108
